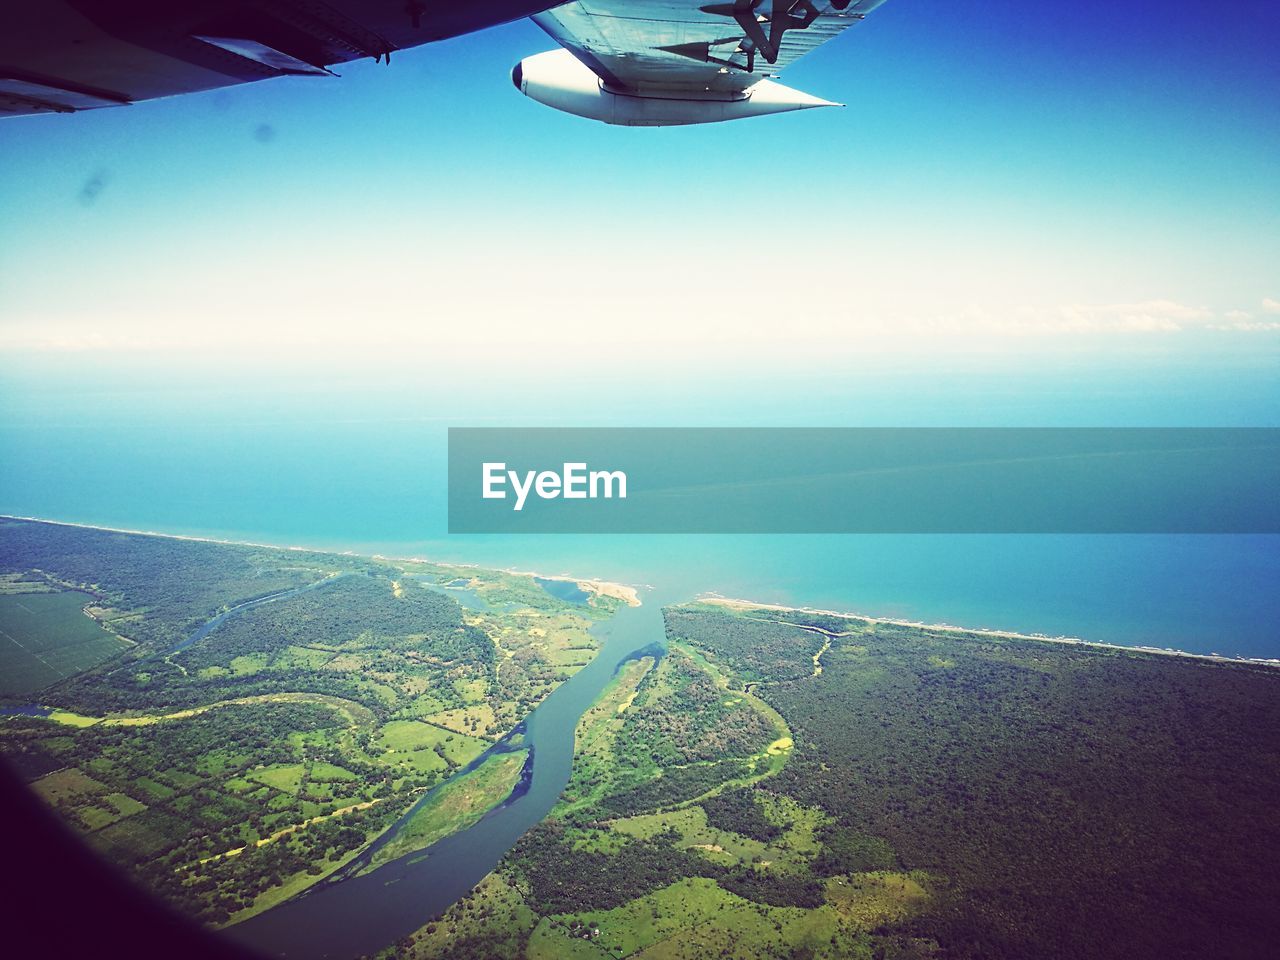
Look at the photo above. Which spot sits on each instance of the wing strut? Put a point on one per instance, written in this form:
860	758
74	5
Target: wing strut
796	15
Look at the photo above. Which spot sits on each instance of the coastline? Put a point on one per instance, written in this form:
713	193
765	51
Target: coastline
630	595
740	604
605	588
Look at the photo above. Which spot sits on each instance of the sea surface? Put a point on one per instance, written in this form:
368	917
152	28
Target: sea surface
337	461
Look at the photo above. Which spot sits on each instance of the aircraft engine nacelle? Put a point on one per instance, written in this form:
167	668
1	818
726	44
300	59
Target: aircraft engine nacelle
559	79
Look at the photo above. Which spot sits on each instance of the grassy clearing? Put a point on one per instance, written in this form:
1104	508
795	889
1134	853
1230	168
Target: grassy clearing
475	721
697	918
408	735
96	817
21	583
323	772
286	778
880	897
126	805
153	790
424	746
317	780
66	785
310	658
492	921
252	663
423	706
719	846
471	691
354	713
792	851
550	941
108	809
574	658
72	719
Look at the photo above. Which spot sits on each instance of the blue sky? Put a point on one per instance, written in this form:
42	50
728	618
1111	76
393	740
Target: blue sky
1087	178
254	311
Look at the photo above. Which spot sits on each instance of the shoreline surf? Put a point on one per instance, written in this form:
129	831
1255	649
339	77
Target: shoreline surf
630	594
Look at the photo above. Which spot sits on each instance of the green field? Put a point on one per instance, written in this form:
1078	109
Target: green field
290	777
46	637
694	917
410	737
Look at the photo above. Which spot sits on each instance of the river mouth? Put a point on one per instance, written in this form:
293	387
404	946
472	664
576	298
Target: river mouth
350	915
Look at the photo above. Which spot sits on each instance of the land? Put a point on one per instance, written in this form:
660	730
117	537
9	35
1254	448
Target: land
48	633
772	782
788	783
456	805
229	773
761	609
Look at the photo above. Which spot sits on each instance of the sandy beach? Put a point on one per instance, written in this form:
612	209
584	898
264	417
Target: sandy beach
736	603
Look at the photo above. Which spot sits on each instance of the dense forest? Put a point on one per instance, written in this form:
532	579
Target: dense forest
178	583
1082	803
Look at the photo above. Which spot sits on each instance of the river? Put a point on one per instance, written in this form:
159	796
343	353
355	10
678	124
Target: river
211	625
363	914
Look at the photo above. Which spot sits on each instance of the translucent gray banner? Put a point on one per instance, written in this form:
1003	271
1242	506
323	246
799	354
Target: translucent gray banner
864	480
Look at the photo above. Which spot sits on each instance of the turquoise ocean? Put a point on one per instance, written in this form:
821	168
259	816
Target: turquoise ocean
337	459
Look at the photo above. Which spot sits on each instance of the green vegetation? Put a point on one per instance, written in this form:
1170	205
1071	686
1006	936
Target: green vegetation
596	735
46	636
492	923
160	589
697	917
776	784
417	745
668	734
232	772
456	805
901	793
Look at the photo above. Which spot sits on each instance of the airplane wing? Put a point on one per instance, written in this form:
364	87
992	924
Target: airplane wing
63	56
669	62
660	46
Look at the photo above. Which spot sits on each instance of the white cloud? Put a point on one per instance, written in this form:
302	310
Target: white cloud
1141	317
1270	306
1244	320
1152	316
1149	316
1248	325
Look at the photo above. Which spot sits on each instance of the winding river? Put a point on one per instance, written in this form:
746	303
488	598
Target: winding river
356	915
